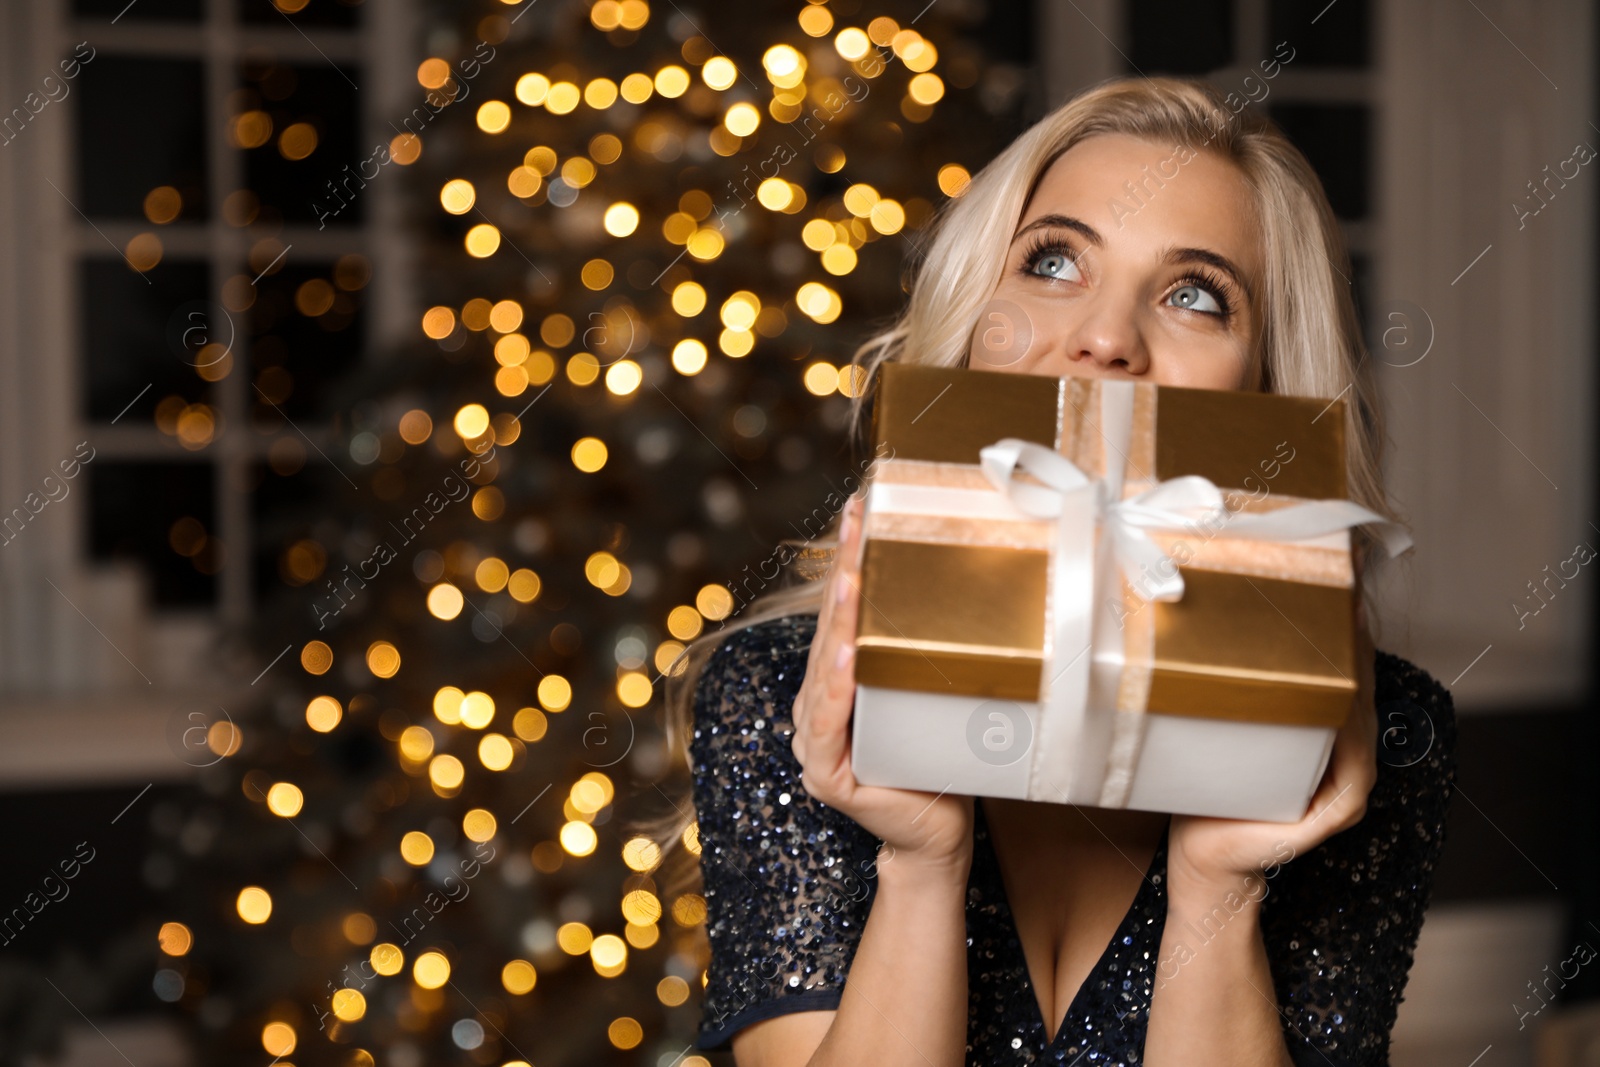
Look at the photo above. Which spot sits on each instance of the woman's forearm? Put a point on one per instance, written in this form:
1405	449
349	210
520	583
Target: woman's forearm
1213	1001
905	1000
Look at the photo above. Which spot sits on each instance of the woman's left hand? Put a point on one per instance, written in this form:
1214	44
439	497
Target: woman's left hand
1220	853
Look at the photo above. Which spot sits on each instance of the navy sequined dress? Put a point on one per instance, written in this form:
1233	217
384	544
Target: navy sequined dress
789	883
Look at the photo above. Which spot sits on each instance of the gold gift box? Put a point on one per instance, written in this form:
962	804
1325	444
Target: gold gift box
1264	631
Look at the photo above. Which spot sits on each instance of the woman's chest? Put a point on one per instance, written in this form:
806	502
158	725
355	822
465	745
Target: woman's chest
1067	905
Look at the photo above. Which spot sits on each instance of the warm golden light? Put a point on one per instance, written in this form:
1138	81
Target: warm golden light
589	454
953	179
278	1039
505	316
387	959
852	43
887	216
634	689
926	89
416	848
578	838
175	939
316	657
323	714
383	659
688	299
684	622
495	752
555	693
162	204
438	322
672	81
608	951
447	705
821	378
718	72
431	970
531	89
623	377
285	799
742	119
621	219
445	601
530	724
494	116
254	905
348	1005
562	98
482	240
298	141
714	601
471	421
819	302
433	73
416	743
641	854
574	938
518	977
447	773
479	825
641	907
706	244
636	88
689	909
624	1032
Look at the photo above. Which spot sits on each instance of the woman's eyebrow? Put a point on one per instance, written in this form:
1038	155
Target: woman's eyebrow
1062	222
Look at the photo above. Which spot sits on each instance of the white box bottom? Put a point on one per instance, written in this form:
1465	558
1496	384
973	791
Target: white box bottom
1189	766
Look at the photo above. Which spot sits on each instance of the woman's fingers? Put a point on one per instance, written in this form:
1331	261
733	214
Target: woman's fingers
819	724
828	717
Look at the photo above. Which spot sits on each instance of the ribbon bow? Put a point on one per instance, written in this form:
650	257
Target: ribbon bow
1175	504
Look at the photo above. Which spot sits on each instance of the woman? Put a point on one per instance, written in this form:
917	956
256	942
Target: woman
1141	232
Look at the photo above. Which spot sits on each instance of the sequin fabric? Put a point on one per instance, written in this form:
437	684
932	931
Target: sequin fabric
789	883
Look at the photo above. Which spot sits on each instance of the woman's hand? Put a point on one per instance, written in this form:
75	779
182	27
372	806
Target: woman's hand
1220	853
918	826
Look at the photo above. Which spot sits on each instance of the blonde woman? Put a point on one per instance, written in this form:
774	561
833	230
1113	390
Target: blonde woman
1144	231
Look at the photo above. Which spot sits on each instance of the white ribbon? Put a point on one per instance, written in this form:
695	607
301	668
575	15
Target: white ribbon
1078	690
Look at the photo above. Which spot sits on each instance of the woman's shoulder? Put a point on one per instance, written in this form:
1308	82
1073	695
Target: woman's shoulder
1416	718
747	685
754	659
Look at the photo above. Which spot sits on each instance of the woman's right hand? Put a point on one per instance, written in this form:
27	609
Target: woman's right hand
917	826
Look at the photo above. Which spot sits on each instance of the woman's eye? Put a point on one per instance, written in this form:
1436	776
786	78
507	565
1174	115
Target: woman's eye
1194	298
1055	265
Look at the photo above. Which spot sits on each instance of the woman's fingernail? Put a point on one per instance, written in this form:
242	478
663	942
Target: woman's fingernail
846	651
842	592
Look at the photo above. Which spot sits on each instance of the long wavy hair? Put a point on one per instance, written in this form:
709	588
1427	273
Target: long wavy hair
1311	346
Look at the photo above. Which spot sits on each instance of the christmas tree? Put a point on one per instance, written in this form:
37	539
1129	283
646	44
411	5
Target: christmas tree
653	237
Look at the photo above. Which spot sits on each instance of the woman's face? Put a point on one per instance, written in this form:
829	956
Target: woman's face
1130	263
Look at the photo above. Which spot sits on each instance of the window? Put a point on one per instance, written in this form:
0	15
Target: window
218	296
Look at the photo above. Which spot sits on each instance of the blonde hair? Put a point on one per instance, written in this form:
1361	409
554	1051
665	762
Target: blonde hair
1311	345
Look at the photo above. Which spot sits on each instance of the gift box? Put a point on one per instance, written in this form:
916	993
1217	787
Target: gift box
1105	593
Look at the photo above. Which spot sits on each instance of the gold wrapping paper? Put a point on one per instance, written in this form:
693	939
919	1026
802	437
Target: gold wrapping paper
953	604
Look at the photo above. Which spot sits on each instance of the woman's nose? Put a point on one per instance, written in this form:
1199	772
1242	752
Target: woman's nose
1108	335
